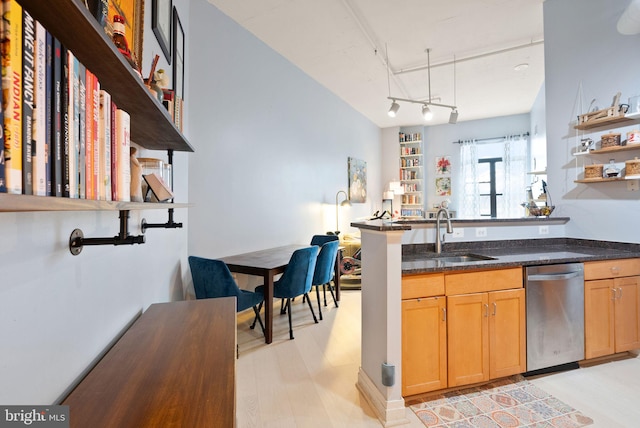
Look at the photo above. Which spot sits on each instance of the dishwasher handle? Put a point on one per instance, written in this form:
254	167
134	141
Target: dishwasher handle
553	276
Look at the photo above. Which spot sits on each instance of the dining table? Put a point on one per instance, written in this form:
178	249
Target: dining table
267	264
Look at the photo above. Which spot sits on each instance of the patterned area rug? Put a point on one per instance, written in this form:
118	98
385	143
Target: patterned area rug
510	402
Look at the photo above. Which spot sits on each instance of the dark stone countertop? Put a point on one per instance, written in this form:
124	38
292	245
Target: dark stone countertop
421	258
406	224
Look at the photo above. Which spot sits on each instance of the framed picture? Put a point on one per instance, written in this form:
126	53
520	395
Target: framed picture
133	13
443	165
178	56
357	180
161	25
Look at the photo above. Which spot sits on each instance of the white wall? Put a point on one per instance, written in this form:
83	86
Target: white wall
59	311
582	47
271	145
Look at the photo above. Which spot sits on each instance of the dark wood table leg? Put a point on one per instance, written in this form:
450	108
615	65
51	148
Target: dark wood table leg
268	307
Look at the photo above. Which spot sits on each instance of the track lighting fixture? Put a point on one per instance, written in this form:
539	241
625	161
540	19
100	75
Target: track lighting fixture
394	109
426	111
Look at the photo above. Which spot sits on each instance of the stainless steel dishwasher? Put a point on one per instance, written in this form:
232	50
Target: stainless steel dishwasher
555	316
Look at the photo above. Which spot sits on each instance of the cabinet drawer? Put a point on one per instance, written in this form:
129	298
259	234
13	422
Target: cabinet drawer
422	285
611	268
481	281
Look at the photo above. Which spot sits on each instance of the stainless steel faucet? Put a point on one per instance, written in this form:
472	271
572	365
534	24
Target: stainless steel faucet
440	240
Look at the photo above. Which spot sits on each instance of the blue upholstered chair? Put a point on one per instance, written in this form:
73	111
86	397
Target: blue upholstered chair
212	278
325	267
319	240
296	280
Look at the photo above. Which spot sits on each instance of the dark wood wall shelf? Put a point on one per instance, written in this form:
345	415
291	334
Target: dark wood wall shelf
73	25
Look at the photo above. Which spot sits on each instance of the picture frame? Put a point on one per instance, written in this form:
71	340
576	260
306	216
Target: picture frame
357	170
178	56
133	13
161	25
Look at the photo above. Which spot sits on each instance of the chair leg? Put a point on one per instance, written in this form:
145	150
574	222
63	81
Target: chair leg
335	302
290	326
253	325
259	318
282	307
311	307
324	292
319	306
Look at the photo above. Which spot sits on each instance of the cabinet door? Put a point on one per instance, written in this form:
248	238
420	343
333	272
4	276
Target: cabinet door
627	319
424	345
598	318
507	333
468	338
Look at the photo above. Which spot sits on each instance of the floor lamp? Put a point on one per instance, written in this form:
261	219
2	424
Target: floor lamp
345	203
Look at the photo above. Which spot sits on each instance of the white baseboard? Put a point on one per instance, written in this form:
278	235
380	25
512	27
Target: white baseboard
390	413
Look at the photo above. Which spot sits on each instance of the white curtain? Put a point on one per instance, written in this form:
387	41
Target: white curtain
515	171
469	205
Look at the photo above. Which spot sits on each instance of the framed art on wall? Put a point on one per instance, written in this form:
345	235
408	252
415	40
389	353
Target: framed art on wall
357	180
178	56
161	25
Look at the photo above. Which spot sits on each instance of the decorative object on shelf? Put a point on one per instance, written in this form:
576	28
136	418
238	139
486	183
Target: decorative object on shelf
427	114
632	168
136	177
593	171
610	140
443	165
357	180
614	111
157	186
161	25
344	203
133	13
535	211
178	57
633	137
585	145
149	166
611	170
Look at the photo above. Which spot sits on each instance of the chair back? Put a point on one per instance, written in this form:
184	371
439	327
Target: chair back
212	278
298	276
325	265
320	240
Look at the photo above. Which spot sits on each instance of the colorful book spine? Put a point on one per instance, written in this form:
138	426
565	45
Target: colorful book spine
74	125
65	137
123	138
12	87
40	148
49	115
95	118
104	142
114	153
28	99
82	130
3	182
88	136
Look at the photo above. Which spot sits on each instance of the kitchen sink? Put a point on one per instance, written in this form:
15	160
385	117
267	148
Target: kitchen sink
462	258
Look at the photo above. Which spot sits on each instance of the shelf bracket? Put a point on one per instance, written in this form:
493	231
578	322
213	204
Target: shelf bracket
170	224
77	240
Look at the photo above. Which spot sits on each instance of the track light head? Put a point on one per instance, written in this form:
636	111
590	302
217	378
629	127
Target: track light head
453	117
426	112
394	109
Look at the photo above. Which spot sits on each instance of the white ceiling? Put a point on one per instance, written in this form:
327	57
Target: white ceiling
343	45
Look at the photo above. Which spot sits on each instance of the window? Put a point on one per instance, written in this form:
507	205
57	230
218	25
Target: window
490	185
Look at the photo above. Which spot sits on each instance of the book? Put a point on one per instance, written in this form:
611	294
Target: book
49	115
104	143
40	147
66	100
12	88
123	141
28	99
95	118
73	106
3	182
88	136
59	109
158	187
81	112
114	154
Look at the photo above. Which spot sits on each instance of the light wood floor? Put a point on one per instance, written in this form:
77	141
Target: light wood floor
310	381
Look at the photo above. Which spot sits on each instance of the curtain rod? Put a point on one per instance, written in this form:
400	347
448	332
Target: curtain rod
493	139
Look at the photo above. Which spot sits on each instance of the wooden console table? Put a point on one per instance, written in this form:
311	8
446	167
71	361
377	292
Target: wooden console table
175	367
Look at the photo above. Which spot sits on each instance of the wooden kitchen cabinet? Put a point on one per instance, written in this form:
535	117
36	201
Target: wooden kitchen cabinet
486	336
424	345
612	306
